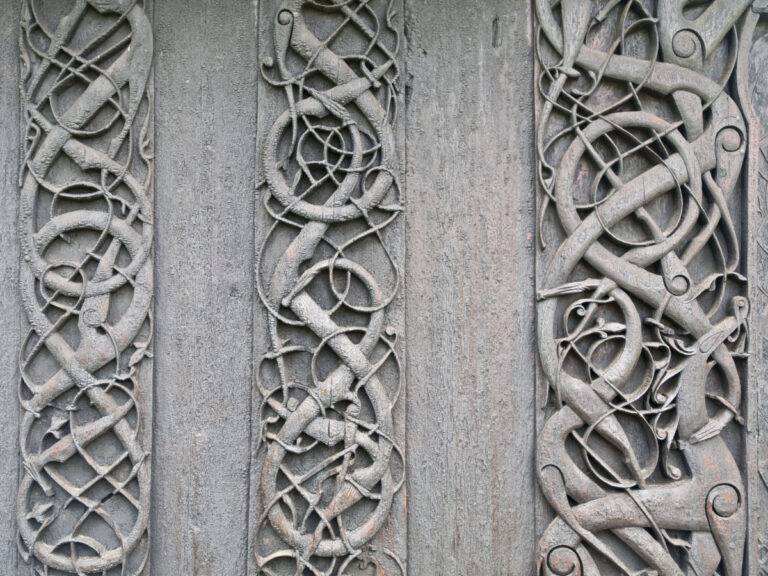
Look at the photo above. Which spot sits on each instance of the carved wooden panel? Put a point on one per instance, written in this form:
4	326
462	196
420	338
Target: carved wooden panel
279	420
648	151
330	378
85	230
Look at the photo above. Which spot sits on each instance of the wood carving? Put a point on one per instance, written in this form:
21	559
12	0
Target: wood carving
332	466
642	314
85	229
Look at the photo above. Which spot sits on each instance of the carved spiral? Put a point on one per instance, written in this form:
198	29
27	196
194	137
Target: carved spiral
86	286
326	276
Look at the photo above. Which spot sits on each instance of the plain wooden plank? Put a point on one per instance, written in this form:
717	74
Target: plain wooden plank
756	258
205	125
469	288
10	306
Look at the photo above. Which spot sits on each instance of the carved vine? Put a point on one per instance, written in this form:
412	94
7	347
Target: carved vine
85	229
327	277
642	318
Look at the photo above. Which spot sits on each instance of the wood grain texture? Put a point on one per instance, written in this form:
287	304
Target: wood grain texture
205	112
469	288
757	259
10	305
267	99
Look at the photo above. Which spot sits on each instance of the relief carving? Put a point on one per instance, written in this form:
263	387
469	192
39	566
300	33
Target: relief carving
85	229
642	133
327	277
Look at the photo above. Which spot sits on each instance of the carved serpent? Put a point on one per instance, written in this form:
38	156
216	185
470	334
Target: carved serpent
83	502
628	339
340	167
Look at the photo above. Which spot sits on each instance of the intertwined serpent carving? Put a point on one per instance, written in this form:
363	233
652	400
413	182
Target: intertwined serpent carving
85	227
327	277
642	319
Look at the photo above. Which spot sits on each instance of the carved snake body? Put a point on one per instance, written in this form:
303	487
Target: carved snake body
99	342
707	160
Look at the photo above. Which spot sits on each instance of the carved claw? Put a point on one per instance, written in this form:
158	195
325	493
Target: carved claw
39	478
709	430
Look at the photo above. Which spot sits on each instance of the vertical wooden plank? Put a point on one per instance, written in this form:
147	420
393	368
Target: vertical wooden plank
469	279
205	114
753	94
361	513
9	279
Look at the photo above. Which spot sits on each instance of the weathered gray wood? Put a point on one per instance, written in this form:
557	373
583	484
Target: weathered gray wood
86	287
267	99
469	288
467	296
205	125
387	540
757	261
598	275
10	306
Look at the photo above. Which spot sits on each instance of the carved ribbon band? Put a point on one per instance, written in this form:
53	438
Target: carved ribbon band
86	284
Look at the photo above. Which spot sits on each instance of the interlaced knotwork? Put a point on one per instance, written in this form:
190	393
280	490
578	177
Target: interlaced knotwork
86	284
327	277
642	321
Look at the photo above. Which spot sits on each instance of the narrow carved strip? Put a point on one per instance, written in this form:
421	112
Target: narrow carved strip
85	229
758	248
642	314
327	277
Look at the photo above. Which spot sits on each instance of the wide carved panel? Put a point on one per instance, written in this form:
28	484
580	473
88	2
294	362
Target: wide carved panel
329	379
85	231
650	191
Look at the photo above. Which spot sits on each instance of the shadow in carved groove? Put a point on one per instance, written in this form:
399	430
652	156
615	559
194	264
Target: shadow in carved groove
86	283
642	314
328	384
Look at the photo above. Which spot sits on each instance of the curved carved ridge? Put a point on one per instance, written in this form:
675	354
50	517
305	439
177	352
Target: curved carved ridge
327	277
642	133
85	229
